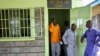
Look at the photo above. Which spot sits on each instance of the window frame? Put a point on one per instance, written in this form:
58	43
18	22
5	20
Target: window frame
32	27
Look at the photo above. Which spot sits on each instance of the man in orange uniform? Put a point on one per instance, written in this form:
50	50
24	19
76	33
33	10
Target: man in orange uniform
55	38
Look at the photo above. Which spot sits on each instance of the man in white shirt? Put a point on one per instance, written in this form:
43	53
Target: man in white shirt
69	39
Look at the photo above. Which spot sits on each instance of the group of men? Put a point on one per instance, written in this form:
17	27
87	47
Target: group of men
69	39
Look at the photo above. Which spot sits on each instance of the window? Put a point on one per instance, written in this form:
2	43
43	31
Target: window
39	15
96	21
19	22
15	23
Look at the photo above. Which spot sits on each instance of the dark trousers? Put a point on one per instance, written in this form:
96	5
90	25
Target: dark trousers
63	50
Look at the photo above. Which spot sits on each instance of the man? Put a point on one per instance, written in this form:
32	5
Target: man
91	35
63	47
65	27
69	39
55	37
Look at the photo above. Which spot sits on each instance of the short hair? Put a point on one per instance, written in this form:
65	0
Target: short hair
73	24
89	21
52	19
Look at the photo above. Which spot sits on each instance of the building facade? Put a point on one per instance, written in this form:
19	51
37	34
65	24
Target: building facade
24	24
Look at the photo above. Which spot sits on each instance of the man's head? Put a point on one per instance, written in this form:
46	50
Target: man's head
53	20
89	24
73	27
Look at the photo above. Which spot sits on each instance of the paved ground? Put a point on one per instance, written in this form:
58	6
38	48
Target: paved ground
98	53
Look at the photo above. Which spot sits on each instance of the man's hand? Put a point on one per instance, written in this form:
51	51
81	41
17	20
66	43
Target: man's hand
82	40
61	43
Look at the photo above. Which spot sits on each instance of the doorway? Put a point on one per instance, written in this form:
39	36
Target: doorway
62	17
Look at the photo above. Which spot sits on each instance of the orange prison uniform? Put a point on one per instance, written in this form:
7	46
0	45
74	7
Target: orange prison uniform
55	33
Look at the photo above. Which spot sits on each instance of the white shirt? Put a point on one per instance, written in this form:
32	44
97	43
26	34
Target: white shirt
69	37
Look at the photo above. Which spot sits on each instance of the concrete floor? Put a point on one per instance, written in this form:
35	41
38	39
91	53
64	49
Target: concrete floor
98	53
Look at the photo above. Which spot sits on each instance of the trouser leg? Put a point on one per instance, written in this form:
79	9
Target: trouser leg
53	50
58	49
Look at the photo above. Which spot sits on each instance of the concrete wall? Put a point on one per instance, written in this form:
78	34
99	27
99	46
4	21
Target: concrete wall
27	48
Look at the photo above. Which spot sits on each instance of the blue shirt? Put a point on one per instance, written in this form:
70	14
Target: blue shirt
91	36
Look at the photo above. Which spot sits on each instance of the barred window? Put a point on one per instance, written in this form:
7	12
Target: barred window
21	22
15	23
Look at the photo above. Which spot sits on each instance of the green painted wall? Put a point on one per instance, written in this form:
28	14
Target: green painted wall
76	3
76	13
22	3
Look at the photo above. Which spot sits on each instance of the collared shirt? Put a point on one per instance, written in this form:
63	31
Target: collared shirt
69	37
91	36
55	33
